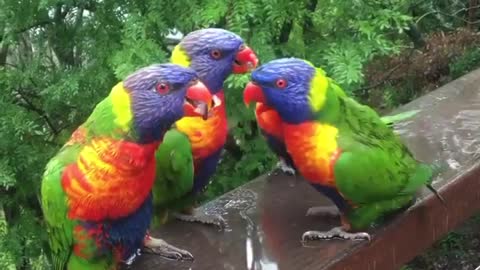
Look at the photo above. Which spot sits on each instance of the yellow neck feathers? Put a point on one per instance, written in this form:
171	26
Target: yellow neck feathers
318	90
121	106
180	57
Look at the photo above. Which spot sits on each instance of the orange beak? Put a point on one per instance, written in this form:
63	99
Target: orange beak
253	92
245	61
198	100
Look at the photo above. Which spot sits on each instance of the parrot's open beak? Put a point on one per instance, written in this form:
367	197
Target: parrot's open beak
245	60
253	92
198	100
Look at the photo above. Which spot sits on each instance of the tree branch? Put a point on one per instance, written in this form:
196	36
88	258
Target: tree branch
311	7
3	54
285	31
31	26
472	13
30	106
79	18
232	147
34	25
454	14
415	36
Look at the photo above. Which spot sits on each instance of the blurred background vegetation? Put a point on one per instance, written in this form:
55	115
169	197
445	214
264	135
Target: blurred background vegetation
59	58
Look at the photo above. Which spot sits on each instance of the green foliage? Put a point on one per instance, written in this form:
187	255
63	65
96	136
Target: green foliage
353	33
59	58
465	63
255	159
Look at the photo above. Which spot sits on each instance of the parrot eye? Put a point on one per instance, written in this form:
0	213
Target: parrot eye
281	83
162	88
216	54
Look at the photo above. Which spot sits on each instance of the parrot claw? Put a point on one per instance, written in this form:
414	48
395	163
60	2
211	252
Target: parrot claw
336	232
323	211
127	264
161	248
216	220
285	168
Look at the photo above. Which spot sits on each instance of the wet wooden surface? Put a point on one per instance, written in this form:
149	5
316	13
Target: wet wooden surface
266	217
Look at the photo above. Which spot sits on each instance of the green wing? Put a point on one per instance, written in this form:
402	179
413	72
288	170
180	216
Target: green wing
375	171
54	206
174	173
373	158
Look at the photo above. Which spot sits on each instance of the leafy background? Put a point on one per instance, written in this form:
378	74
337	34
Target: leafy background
59	58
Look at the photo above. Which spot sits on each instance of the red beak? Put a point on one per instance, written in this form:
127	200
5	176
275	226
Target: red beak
253	92
245	61
198	101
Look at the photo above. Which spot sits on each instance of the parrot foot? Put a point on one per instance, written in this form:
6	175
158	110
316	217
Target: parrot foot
285	168
216	220
323	211
336	232
161	248
127	264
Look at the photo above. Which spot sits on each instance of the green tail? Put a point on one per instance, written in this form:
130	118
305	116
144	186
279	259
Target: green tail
392	119
424	176
435	192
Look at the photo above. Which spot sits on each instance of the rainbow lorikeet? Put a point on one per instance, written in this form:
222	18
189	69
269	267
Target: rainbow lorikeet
214	54
342	148
96	191
270	125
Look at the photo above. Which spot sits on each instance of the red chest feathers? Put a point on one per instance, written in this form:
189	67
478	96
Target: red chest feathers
206	136
110	179
269	120
313	147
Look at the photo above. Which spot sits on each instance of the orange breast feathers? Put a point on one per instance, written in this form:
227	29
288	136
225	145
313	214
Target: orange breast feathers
269	120
206	136
110	179
313	147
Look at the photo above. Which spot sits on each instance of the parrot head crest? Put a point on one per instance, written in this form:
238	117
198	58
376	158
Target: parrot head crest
161	94
214	54
292	86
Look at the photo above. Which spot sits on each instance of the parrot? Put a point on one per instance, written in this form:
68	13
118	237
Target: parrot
341	147
270	125
96	191
192	148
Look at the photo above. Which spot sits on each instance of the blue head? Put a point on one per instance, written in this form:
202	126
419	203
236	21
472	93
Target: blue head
161	94
214	54
286	85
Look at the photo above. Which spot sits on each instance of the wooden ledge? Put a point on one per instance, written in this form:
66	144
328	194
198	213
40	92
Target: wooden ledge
266	217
